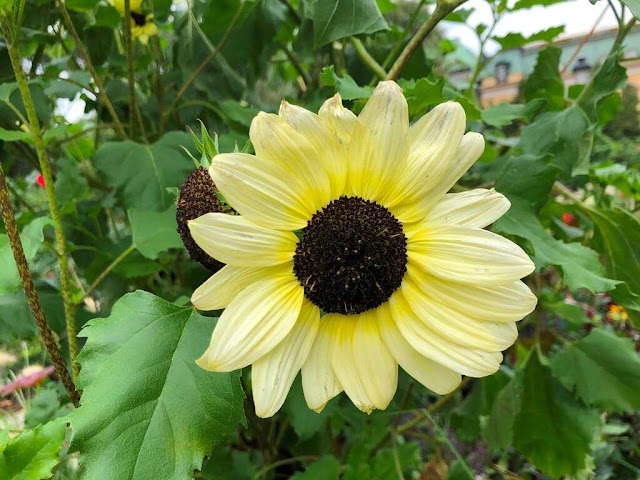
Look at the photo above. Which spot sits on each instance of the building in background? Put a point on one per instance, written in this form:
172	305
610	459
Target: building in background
503	75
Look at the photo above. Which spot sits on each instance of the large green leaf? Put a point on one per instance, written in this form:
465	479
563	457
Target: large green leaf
327	468
610	77
141	173
336	19
604	370
634	6
541	419
31	237
516	39
32	455
147	410
526	180
345	85
154	232
545	80
505	113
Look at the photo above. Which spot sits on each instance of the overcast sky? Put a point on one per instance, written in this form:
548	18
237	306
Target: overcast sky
578	16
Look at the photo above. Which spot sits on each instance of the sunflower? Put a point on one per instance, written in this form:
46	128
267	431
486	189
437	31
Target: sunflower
142	25
348	257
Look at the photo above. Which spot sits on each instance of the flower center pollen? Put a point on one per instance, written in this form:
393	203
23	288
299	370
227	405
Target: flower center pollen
352	256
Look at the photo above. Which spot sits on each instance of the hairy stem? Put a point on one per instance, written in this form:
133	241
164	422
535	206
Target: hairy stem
443	8
45	167
82	51
30	291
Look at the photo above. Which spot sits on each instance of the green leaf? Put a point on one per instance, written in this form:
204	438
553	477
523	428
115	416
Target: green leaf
545	80
505	113
147	410
154	232
618	239
304	421
422	94
31	237
42	409
141	173
604	370
409	457
336	19
610	77
345	85
517	40
540	418
634	6
16	319
567	136
14	135
33	454
81	5
327	468
524	4
526	181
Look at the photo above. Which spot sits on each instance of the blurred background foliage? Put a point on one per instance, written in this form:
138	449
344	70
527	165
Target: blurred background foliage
115	113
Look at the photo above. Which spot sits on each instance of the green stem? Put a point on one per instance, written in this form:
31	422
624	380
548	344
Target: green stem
398	46
30	291
82	51
366	57
134	110
443	8
45	167
107	270
445	439
286	461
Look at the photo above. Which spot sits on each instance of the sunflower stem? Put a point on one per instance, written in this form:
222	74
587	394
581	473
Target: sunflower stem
366	57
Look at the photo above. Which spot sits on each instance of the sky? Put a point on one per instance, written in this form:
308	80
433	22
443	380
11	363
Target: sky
578	16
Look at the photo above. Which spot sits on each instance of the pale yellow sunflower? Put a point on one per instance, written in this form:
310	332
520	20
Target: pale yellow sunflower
348	257
142	25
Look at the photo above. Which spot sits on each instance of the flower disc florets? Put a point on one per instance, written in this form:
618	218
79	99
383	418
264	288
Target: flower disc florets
352	257
197	197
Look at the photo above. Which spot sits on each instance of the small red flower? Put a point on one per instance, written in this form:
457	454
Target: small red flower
40	180
568	218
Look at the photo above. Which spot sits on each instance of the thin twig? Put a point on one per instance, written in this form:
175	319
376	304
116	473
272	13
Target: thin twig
45	167
445	439
366	57
30	291
82	51
204	63
293	59
134	110
443	8
107	270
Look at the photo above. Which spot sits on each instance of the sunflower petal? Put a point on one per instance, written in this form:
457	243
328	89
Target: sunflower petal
218	291
379	145
468	255
454	325
435	139
276	141
367	371
319	382
474	208
432	375
262	191
428	342
496	303
273	374
323	139
469	151
234	240
339	119
253	324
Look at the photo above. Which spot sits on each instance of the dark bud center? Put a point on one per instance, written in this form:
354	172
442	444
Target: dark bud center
197	197
139	19
352	256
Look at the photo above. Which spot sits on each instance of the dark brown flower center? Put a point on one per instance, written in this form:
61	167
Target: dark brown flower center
352	256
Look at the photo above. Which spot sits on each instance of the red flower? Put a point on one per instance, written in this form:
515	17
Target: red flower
40	180
568	218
